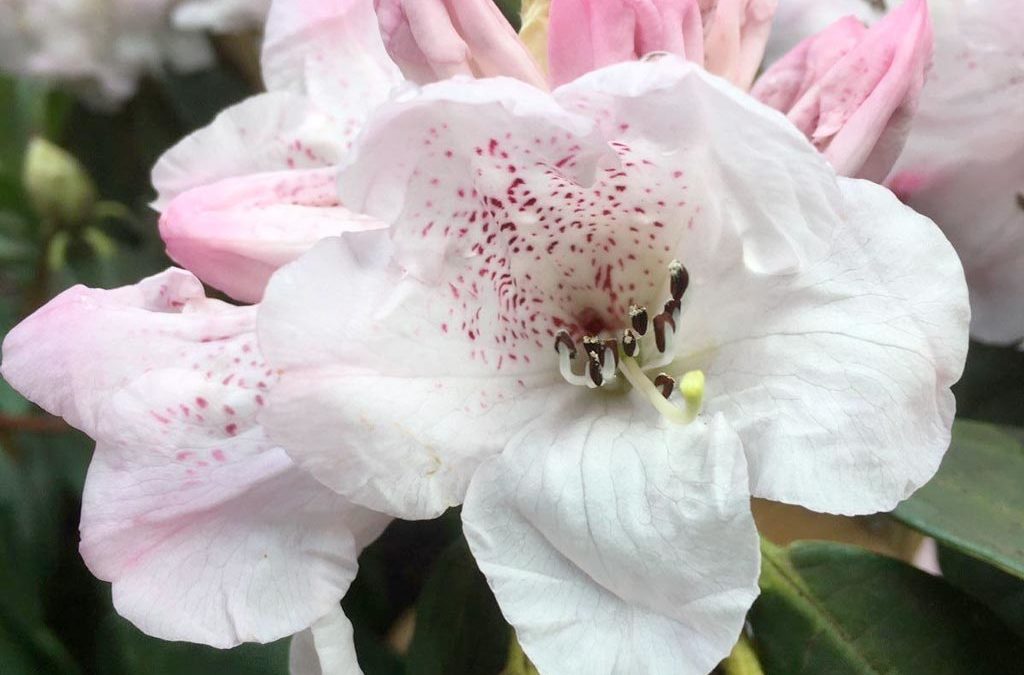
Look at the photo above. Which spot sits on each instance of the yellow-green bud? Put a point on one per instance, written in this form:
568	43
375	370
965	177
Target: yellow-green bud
57	185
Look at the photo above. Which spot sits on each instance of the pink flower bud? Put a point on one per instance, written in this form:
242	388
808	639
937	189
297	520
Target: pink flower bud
853	90
436	39
235	233
588	34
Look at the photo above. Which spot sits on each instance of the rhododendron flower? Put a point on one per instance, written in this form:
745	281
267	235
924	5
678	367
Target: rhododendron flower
104	47
853	90
964	162
603	318
850	89
207	530
256	188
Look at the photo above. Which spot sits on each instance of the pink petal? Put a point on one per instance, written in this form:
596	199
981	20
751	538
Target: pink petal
588	34
436	39
855	97
735	35
206	530
235	233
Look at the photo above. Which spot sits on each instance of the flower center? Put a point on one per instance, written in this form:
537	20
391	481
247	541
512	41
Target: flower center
648	344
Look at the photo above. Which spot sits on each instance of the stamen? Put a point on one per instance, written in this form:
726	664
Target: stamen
638	318
612	346
564	341
662	322
664	340
566	349
679	279
630	343
665	382
592	346
595	370
673	308
609	365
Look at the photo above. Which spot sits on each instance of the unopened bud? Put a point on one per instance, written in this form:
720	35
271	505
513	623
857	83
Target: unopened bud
57	185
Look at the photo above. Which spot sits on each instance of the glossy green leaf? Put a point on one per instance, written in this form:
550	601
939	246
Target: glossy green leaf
27	537
992	386
1003	593
975	503
123	650
840	610
510	8
459	628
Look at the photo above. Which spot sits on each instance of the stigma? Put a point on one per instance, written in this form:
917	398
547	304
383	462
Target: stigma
646	344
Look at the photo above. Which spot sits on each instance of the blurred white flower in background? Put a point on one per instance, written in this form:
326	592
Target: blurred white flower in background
102	47
964	161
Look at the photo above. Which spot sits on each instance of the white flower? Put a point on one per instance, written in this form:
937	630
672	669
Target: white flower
425	364
102	47
208	532
964	161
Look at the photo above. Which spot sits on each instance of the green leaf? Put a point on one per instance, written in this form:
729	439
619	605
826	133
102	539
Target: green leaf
27	108
124	650
992	386
459	628
836	609
975	503
510	8
28	504
1001	592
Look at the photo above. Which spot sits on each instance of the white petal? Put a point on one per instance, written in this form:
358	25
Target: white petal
372	398
615	544
268	132
325	649
219	545
837	378
208	532
332	52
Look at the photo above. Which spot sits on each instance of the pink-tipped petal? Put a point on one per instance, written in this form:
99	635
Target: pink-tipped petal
588	34
235	233
268	132
207	531
853	91
437	39
735	35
